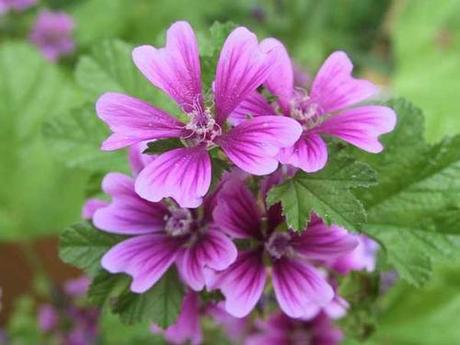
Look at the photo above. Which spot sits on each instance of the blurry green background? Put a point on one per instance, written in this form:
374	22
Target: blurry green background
411	48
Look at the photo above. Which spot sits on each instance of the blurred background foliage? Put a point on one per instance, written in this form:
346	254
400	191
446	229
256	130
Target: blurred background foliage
410	47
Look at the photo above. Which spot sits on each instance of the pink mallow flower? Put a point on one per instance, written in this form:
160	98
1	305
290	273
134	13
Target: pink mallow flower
184	174
66	320
280	329
289	256
160	235
329	108
52	34
15	5
363	257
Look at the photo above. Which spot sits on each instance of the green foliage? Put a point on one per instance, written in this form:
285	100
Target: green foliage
418	184
113	331
426	38
105	285
22	325
361	291
425	316
32	201
210	50
98	20
83	246
109	68
75	138
327	193
161	304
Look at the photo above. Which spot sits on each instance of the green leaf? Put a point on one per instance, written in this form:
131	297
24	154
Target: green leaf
105	286
75	138
327	193
161	146
210	50
161	304
419	185
32	202
110	68
83	246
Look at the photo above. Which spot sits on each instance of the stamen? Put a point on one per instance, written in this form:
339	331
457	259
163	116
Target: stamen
278	244
178	222
304	110
203	127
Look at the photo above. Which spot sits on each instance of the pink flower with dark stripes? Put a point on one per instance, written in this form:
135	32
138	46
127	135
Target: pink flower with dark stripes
289	257
159	235
184	174
330	108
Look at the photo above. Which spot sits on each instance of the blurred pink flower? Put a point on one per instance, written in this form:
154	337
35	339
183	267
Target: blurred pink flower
282	330
52	34
15	5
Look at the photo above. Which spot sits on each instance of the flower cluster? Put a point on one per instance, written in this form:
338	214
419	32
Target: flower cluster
223	236
64	321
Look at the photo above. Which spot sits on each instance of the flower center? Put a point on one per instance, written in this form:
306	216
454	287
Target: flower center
308	113
203	127
278	244
178	222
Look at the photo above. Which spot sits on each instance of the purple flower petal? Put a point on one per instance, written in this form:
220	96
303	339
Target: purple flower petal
183	174
281	81
254	144
174	69
323	242
242	67
334	88
187	326
137	159
128	213
214	250
363	257
337	308
145	258
242	283
91	206
133	121
235	329
361	126
237	212
253	105
296	284
309	153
